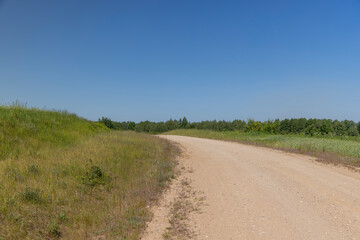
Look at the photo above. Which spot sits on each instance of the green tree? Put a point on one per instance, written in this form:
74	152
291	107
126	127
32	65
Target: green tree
284	126
107	122
253	125
351	128
238	125
184	123
339	128
326	127
131	126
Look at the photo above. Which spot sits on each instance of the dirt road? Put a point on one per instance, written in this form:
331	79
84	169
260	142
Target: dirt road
259	193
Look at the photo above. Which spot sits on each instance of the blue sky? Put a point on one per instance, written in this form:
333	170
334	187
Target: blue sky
155	60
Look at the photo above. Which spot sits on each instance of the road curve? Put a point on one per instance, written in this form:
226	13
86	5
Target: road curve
259	193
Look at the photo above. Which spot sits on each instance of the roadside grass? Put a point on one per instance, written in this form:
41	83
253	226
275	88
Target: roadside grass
336	150
63	177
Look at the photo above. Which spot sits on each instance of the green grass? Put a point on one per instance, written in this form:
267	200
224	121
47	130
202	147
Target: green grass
63	177
331	149
26	132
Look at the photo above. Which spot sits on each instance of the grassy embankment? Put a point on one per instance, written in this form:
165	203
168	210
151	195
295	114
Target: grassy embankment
337	150
62	176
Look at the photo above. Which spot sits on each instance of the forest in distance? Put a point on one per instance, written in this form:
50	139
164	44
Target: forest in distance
302	126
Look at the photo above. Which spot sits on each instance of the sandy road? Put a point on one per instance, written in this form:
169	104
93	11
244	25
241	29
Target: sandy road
258	193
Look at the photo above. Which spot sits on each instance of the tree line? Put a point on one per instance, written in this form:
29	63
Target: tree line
303	126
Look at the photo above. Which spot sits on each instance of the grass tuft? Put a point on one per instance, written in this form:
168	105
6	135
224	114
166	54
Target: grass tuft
31	195
53	229
63	217
33	169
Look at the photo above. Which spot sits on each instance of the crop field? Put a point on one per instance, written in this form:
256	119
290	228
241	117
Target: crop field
62	176
338	150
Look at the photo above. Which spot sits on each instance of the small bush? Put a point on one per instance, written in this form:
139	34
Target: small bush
31	195
94	176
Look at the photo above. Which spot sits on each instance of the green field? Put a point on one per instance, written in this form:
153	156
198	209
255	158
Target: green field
65	177
345	150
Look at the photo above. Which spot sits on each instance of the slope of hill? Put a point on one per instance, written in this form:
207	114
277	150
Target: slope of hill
65	177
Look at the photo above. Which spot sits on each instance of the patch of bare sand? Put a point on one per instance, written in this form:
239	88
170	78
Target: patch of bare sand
171	216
